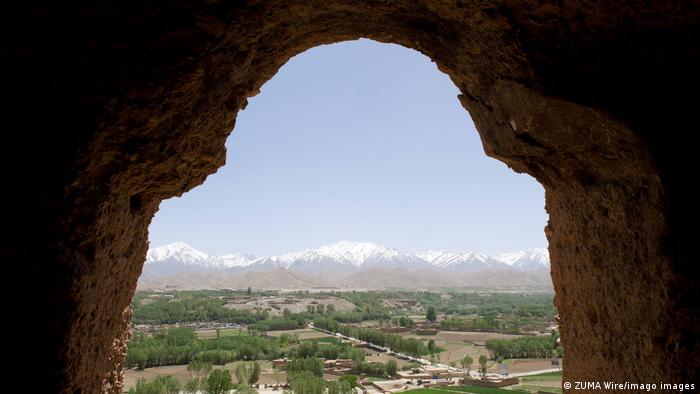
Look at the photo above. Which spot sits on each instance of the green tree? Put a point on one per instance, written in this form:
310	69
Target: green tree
199	369
339	387
249	291
240	373
391	368
137	357
333	387
218	382
307	349
467	362
254	374
351	379
312	365
431	346
248	373
305	382
345	388
330	308
170	384
372	368
192	386
430	315
482	364
161	385
405	321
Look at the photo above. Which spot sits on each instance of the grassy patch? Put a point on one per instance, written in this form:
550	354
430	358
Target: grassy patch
232	366
536	389
547	376
481	390
545	382
225	332
322	340
230	332
464	389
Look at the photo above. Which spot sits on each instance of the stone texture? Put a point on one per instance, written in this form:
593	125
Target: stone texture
113	106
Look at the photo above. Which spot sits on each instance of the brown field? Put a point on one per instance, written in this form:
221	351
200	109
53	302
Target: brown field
458	344
528	364
224	332
276	305
551	384
131	376
383	358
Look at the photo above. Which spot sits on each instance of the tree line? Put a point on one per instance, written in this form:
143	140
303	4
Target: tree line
397	343
177	346
204	380
525	347
487	323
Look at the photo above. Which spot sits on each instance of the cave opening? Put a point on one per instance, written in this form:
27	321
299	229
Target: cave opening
355	141
136	102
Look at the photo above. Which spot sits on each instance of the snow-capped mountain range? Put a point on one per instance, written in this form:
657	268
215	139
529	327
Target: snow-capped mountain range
337	259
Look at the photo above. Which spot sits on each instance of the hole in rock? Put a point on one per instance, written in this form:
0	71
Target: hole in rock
356	193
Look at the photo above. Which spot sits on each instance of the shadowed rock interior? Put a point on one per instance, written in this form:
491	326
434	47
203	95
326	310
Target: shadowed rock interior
114	106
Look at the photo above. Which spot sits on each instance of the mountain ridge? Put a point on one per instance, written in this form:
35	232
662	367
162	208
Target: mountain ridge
343	264
356	254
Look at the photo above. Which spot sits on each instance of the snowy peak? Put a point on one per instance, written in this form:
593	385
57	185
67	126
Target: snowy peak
355	253
233	260
344	265
177	251
446	259
528	260
344	256
470	261
182	254
361	254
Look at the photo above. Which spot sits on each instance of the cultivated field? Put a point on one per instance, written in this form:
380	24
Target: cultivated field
458	344
277	305
131	376
546	382
225	332
464	389
518	365
372	355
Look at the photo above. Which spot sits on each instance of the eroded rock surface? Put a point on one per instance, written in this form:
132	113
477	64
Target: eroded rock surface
114	106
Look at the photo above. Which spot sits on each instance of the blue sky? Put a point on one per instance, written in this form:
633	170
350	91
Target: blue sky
356	141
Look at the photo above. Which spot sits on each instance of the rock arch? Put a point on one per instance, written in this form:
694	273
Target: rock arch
118	105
